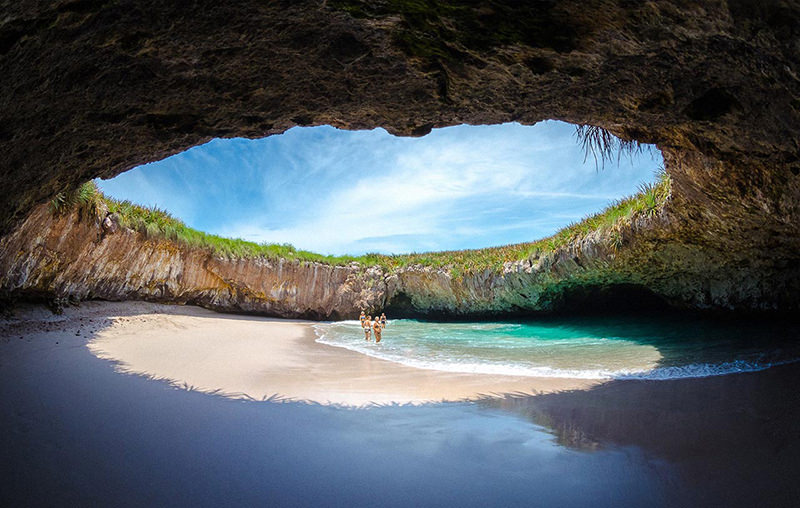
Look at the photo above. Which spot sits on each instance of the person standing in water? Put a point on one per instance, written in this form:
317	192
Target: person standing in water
383	320
361	318
377	328
367	327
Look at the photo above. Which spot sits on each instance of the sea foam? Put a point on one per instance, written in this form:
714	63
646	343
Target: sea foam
408	343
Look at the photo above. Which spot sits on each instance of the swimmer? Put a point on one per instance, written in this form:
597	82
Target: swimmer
383	320
378	329
367	328
361	318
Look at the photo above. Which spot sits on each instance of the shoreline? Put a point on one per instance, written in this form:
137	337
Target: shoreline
76	430
279	359
258	358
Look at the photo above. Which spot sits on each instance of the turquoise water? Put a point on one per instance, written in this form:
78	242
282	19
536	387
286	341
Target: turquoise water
589	348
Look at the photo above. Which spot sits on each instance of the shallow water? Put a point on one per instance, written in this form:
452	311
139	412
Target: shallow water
646	347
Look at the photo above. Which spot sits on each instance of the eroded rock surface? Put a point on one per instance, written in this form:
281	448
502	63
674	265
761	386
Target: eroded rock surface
93	88
68	257
73	257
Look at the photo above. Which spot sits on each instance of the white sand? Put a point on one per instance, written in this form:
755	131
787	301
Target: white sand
259	358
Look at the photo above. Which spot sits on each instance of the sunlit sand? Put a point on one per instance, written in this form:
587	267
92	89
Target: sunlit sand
261	358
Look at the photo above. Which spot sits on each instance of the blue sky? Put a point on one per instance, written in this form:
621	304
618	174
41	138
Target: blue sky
337	192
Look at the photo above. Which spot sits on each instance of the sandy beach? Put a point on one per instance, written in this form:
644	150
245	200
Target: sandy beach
77	432
261	358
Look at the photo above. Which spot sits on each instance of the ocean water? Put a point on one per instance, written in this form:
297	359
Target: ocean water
637	347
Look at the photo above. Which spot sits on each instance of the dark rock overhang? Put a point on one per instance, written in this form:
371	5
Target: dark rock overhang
92	88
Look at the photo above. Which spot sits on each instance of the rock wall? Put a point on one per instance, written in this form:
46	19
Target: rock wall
75	256
72	257
92	88
653	259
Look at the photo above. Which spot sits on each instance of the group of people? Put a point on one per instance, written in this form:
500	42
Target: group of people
370	326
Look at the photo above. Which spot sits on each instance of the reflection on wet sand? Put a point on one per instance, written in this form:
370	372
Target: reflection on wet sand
75	430
733	438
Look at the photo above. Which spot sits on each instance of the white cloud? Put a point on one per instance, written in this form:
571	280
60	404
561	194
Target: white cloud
335	192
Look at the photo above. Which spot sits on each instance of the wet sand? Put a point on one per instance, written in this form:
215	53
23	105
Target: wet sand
261	358
76	432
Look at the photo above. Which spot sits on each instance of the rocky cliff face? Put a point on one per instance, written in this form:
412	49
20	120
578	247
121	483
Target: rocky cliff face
82	254
93	87
73	257
85	254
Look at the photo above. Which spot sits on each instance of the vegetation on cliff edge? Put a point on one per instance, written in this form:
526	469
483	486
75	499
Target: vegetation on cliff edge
157	224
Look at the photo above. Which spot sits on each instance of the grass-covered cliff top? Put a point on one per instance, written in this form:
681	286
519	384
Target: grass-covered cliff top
157	224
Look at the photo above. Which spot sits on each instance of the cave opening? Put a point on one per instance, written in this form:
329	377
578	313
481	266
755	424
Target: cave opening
95	88
338	192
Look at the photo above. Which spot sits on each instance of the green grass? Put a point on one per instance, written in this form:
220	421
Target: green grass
647	202
157	224
602	145
87	196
